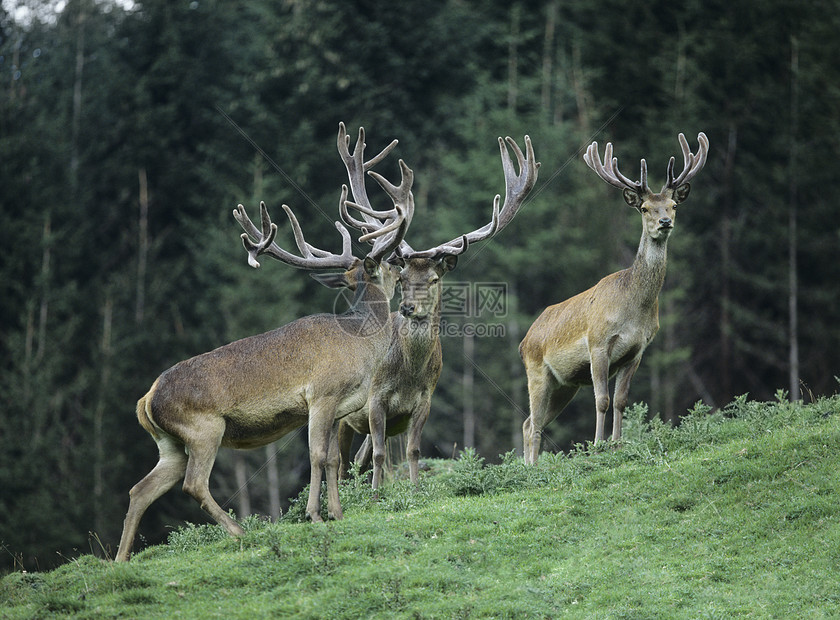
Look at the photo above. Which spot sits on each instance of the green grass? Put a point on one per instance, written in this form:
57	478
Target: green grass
733	514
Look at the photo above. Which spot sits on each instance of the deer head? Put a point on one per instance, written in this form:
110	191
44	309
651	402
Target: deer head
658	209
421	270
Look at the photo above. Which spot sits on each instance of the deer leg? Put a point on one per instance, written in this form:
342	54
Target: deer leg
539	394
363	455
377	435
622	389
345	442
415	428
202	455
331	473
547	399
600	365
169	470
321	420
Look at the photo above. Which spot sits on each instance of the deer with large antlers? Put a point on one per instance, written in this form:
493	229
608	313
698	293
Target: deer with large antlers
603	332
401	389
253	391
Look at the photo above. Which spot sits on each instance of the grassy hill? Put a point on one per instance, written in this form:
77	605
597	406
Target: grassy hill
734	513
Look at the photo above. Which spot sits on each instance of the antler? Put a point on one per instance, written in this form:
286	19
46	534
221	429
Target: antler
310	256
517	187
609	172
356	168
692	164
384	221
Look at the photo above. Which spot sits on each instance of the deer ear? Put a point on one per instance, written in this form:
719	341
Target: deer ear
681	193
371	266
334	280
632	197
447	263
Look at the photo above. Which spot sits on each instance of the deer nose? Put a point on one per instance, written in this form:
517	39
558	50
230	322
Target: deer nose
666	222
406	309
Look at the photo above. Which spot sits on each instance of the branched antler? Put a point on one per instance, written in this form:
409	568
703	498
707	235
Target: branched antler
517	187
310	256
356	168
692	164
609	172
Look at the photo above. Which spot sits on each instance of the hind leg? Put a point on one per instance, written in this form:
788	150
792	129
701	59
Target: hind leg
622	391
169	470
202	456
345	443
547	399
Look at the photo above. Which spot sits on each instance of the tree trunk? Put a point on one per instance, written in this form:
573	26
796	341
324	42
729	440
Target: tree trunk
468	382
513	57
548	55
243	494
273	481
793	283
142	246
77	99
520	405
725	361
46	257
98	416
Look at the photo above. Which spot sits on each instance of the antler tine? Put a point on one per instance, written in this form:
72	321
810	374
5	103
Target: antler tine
385	243
356	167
692	164
266	237
517	187
609	172
311	257
389	232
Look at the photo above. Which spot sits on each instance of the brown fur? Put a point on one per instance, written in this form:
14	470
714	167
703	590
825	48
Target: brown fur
250	392
598	334
401	391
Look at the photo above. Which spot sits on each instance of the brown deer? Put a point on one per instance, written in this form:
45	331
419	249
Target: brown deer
603	332
251	392
401	389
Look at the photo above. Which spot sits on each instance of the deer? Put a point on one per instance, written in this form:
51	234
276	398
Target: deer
253	391
401	390
603	332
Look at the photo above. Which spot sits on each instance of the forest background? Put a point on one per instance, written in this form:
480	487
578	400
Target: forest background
129	132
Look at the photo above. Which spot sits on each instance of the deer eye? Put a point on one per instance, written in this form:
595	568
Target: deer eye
644	209
434	280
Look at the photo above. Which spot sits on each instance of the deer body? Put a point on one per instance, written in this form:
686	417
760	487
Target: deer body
253	391
401	391
603	332
235	384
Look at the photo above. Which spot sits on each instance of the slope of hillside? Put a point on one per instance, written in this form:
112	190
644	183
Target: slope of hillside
734	513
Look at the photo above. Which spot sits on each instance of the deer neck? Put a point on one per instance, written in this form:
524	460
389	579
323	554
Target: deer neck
648	271
419	338
371	300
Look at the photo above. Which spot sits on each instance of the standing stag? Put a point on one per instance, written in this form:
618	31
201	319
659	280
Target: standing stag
401	389
253	391
603	332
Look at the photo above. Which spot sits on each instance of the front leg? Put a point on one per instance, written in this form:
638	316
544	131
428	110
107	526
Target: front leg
600	366
415	428
321	418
